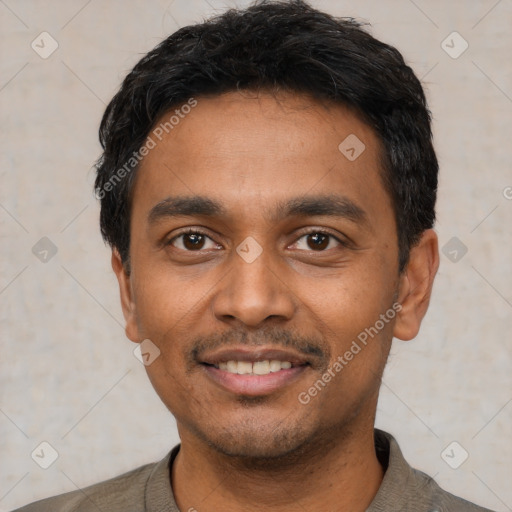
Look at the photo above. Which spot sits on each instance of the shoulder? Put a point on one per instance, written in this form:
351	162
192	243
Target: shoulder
113	495
410	490
439	500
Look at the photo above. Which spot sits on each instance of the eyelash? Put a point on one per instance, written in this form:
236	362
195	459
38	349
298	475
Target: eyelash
192	231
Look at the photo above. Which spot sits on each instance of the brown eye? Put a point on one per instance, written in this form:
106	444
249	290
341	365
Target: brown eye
317	241
191	241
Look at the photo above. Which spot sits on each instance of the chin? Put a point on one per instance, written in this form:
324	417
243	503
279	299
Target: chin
252	443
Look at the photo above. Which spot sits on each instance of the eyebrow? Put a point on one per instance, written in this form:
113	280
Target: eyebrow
331	205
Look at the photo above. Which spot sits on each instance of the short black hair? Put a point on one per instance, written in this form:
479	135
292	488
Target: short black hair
275	46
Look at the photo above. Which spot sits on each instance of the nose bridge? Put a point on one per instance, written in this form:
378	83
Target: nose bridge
253	289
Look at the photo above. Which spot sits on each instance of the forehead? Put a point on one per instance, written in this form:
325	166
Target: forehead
249	151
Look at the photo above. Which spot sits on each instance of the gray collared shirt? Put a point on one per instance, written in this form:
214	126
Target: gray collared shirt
148	489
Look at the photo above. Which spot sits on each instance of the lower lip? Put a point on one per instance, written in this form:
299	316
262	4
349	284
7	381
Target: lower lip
254	385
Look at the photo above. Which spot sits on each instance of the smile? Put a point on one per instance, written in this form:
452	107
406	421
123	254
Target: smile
254	368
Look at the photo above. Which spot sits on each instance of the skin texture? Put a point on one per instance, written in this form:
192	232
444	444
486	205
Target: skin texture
250	152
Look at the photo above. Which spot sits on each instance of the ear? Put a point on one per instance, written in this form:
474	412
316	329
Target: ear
127	303
415	286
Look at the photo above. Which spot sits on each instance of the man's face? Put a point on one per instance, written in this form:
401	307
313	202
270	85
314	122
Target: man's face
319	281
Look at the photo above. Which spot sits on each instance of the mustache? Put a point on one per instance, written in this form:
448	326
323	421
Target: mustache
311	346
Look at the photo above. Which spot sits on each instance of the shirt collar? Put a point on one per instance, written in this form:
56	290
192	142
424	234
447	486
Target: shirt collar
397	478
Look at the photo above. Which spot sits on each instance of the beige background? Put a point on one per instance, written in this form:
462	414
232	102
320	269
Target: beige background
68	374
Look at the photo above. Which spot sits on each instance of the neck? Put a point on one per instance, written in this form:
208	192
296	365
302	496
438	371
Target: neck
341	474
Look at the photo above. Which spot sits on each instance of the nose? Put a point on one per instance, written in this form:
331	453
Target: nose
254	290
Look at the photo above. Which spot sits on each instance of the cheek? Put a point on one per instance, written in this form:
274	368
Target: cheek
162	298
352	299
175	391
360	340
348	309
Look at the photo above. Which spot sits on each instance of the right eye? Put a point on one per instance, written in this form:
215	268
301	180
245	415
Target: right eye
192	240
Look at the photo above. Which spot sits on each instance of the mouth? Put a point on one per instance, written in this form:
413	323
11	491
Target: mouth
254	372
254	368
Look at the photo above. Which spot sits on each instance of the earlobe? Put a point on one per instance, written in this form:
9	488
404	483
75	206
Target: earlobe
416	284
126	295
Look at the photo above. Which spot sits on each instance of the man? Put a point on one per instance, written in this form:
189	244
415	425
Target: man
268	188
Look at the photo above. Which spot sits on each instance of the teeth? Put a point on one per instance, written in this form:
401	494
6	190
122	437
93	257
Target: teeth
275	366
244	367
232	367
261	367
258	368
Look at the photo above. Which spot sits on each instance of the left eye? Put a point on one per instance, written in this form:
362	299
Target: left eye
318	240
194	240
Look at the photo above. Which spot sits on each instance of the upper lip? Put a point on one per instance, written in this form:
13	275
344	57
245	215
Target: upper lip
252	354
